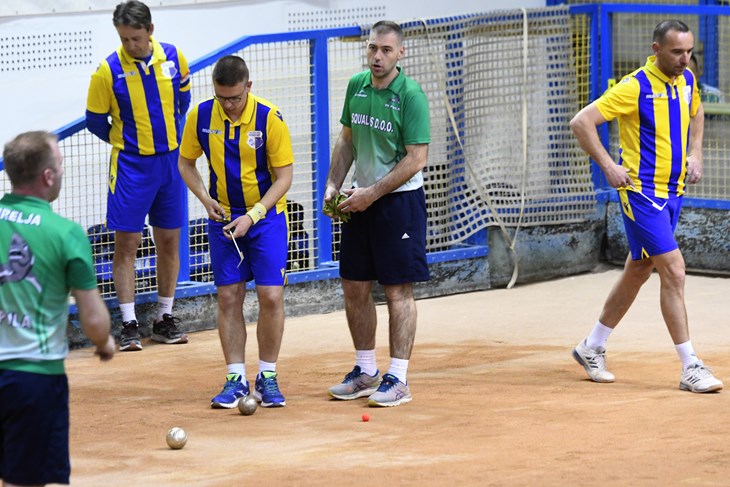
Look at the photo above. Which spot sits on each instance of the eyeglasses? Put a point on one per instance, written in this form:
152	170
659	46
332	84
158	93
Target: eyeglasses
230	99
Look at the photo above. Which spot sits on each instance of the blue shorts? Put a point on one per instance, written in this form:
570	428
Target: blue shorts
34	428
649	223
387	242
142	185
264	248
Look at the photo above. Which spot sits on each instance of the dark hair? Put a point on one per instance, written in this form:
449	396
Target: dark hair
660	32
132	14
27	155
386	27
230	70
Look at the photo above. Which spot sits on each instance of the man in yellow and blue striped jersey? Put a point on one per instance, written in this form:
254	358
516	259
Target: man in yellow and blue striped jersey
250	157
144	86
661	123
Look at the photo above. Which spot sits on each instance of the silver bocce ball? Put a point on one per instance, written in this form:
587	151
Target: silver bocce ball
176	438
247	405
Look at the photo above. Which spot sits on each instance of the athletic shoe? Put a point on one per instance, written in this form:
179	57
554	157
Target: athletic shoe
267	390
594	361
392	392
356	384
233	390
698	378
166	331
129	340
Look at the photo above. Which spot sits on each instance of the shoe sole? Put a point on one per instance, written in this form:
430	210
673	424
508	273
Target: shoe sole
587	368
403	400
685	387
258	398
354	395
170	341
132	347
224	405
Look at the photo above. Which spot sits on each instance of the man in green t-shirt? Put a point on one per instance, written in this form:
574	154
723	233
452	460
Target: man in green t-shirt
43	258
386	132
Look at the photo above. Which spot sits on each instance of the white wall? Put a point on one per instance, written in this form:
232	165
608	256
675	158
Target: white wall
46	58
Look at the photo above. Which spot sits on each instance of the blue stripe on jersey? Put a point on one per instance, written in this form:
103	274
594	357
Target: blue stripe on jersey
263	175
647	134
233	168
154	108
675	135
124	100
205	109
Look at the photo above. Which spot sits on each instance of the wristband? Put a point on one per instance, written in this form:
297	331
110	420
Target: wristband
257	212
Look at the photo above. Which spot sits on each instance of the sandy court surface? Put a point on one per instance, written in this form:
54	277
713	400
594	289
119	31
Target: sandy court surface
497	400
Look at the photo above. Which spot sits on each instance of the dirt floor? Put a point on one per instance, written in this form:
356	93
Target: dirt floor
497	400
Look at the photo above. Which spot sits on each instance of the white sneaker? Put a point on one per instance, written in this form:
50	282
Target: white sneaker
594	361
698	378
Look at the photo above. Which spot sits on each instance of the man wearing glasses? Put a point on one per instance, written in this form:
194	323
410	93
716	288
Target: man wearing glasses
250	157
145	87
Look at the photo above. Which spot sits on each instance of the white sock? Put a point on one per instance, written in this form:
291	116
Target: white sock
398	368
238	368
127	310
164	306
269	366
686	354
598	336
366	360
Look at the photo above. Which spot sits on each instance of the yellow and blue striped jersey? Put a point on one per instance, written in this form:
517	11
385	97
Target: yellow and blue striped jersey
241	153
654	116
143	99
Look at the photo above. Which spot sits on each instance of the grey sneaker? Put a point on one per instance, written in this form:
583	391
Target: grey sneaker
356	384
594	361
392	392
698	378
129	340
166	330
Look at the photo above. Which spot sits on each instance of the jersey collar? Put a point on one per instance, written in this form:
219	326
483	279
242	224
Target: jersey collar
651	67
394	85
31	200
158	54
246	115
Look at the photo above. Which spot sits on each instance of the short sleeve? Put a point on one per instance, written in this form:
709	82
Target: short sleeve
278	140
190	146
417	119
99	97
346	118
620	100
184	71
80	271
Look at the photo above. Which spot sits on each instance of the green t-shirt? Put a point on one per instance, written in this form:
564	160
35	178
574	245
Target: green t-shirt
42	257
383	122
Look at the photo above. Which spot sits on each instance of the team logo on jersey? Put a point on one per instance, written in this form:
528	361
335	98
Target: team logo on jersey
255	139
394	103
687	92
20	263
168	69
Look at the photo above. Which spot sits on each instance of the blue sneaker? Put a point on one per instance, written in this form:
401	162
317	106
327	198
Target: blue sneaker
267	390
233	390
392	392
